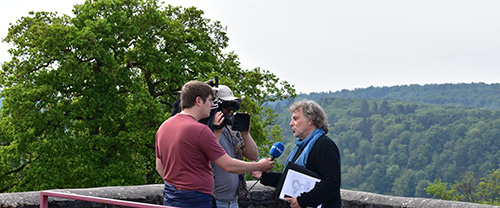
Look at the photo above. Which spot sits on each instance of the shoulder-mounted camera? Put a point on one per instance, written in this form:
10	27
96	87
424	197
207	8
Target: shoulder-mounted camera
224	98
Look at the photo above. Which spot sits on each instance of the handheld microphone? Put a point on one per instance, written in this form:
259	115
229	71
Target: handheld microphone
276	150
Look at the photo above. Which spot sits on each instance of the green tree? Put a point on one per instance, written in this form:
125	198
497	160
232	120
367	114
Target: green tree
439	189
84	95
364	112
485	190
420	189
384	108
353	176
365	127
375	107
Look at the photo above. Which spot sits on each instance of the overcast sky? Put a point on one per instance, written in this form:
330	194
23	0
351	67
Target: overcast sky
321	45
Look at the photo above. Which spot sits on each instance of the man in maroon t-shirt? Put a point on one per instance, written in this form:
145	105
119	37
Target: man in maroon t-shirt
185	147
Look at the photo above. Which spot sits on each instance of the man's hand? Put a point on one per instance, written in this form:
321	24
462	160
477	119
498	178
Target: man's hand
293	202
245	133
218	121
219	118
257	174
266	164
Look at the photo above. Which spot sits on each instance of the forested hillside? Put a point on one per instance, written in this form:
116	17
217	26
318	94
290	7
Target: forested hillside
397	147
477	95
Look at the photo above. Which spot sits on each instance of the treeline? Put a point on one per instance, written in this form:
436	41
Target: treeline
397	148
477	95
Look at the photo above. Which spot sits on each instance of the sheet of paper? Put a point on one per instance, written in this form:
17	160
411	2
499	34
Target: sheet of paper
296	183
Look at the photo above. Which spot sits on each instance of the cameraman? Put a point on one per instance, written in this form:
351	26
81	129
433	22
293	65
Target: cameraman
230	186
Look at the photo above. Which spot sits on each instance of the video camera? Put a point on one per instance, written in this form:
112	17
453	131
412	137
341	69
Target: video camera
238	121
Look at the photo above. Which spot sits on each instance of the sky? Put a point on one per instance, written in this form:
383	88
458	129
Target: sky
331	45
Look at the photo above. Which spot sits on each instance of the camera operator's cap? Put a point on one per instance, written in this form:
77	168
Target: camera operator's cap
226	94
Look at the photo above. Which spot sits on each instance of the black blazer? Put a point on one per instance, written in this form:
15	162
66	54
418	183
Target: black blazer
324	159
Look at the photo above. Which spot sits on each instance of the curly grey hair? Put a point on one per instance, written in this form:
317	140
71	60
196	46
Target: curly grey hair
313	111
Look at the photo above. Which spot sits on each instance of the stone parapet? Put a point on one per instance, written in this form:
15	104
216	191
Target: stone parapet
260	197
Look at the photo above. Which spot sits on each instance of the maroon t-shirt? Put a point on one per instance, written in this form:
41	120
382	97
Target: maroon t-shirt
186	148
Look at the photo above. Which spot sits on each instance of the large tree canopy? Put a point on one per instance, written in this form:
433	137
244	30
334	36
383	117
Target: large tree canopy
83	96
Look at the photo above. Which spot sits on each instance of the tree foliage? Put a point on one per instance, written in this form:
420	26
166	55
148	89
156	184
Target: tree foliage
485	190
83	96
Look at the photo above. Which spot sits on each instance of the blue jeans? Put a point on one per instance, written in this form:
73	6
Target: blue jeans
189	199
227	204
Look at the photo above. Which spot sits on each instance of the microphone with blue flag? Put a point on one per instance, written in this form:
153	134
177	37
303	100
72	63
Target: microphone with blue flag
276	150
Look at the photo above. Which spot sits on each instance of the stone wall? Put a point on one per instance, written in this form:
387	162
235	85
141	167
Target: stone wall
260	197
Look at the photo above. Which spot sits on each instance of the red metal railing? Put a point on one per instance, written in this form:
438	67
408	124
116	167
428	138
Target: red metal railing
44	200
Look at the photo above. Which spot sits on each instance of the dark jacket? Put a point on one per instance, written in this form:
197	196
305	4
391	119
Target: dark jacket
324	159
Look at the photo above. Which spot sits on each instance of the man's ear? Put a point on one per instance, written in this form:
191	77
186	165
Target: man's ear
198	101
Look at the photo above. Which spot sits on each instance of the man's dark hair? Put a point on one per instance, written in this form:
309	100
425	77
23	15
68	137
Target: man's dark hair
193	89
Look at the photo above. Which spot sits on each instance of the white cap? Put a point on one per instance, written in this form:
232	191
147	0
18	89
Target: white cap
224	93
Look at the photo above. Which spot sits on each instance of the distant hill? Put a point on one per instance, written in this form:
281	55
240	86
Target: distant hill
477	95
396	140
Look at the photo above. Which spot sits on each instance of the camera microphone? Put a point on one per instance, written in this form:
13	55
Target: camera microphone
213	82
276	150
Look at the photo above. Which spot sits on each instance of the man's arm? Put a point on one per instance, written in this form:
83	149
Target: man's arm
268	179
232	165
324	159
159	168
218	134
250	150
218	121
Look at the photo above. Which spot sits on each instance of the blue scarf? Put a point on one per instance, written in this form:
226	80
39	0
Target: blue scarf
306	144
